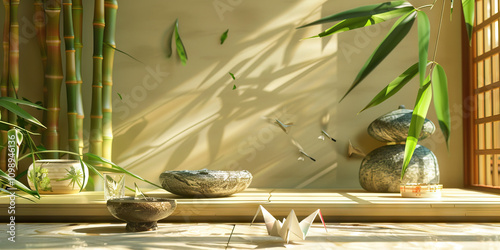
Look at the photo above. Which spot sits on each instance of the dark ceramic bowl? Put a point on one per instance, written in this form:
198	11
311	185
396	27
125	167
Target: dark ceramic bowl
141	214
205	183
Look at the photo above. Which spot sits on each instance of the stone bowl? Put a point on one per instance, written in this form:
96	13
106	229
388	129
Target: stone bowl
141	214
205	183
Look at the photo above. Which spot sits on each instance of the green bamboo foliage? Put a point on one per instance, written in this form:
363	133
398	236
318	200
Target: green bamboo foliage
71	80
111	7
77	9
96	109
5	80
39	20
13	84
53	75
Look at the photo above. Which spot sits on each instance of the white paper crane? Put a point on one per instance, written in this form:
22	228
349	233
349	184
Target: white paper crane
290	229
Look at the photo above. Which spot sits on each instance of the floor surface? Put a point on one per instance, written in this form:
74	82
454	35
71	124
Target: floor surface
216	236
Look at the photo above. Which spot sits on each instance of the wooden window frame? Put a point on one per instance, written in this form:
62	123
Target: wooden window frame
469	105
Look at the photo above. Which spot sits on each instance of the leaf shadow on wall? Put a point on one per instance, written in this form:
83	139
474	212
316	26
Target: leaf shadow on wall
204	127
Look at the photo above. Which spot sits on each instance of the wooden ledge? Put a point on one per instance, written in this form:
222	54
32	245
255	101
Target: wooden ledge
336	206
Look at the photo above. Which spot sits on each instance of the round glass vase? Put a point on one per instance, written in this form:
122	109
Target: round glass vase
58	176
420	190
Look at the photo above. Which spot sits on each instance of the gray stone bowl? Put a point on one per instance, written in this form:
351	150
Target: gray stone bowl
205	183
141	214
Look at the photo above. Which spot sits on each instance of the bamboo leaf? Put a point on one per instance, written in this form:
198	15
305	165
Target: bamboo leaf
92	158
119	95
83	173
417	121
23	102
234	86
123	52
360	22
10	193
394	86
223	37
181	50
16	126
363	11
12	107
468	7
232	76
424	34
441	104
396	34
9	181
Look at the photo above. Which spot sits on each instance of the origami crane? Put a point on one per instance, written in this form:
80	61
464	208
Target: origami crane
290	229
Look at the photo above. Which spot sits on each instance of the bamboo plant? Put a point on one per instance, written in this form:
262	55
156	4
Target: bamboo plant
111	7
91	160
5	80
53	75
77	13
96	108
435	81
13	83
71	79
40	22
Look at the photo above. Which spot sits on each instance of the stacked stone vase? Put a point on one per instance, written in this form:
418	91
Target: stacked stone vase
380	170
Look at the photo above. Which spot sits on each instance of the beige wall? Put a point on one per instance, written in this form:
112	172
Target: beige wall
176	117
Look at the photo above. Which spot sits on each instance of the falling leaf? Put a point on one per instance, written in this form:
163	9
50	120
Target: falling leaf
121	98
234	86
181	50
232	76
223	37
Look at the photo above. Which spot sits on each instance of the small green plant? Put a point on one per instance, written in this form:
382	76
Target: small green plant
40	176
75	176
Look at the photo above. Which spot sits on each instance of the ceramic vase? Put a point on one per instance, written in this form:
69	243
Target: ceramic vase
58	176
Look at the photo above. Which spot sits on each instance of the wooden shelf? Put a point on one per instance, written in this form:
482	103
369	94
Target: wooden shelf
336	206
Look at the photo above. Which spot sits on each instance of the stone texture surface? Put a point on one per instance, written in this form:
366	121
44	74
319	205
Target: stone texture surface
380	170
393	126
205	183
141	214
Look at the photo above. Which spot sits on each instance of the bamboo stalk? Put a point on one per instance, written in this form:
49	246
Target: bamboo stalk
5	81
96	109
77	9
111	7
71	80
53	75
39	20
13	84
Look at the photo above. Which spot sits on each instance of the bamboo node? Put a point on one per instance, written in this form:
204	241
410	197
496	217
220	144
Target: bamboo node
96	116
96	86
56	42
110	5
54	77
